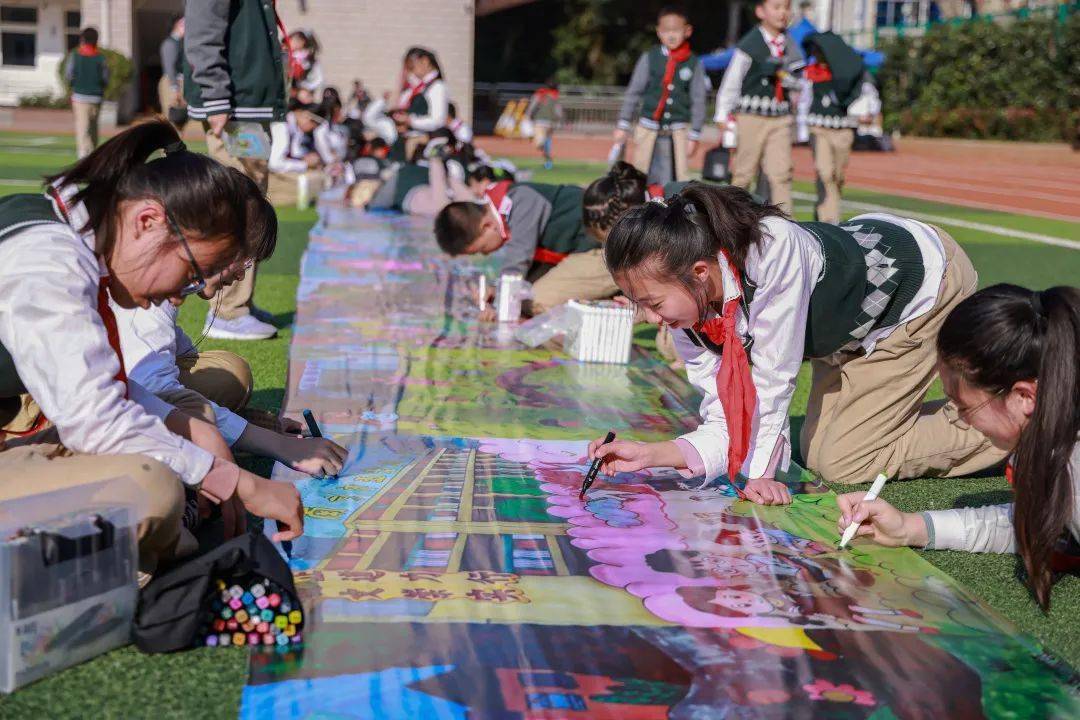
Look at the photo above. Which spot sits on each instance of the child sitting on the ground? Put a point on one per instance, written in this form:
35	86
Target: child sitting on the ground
331	137
212	386
306	76
293	154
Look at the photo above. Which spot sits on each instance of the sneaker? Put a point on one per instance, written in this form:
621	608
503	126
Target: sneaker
245	327
262	315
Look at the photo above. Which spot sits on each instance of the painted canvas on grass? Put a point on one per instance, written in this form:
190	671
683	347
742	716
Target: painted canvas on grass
452	571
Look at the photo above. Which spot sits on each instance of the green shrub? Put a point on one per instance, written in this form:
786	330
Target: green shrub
121	71
1011	81
44	100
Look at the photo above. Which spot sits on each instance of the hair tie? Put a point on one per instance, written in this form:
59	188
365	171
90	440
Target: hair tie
1036	303
689	208
659	200
175	147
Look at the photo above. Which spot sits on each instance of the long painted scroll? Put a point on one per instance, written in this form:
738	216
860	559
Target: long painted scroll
451	570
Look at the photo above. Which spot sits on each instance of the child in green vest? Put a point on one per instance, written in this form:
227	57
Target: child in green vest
667	87
836	80
529	227
749	294
88	74
756	94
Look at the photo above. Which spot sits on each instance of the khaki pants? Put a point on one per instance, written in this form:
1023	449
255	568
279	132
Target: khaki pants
645	143
765	142
43	467
832	149
235	300
284	190
218	375
86	126
866	413
581	276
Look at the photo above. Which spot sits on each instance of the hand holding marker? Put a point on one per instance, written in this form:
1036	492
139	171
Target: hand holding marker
871	495
312	425
594	468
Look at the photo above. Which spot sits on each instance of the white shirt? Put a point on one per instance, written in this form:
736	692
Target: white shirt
784	268
287	148
331	142
438	104
990	528
150	340
49	323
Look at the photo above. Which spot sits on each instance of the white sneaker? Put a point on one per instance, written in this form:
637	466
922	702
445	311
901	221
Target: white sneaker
245	327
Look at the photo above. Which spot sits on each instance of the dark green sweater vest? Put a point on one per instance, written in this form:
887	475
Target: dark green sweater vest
758	94
677	108
872	270
88	76
18	212
564	232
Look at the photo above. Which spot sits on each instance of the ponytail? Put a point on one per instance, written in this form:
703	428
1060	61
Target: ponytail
610	196
1023	335
667	238
205	198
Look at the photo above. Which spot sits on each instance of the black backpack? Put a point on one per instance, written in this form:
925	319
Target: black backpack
173	606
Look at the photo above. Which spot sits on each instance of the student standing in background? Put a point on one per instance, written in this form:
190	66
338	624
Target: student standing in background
233	71
88	74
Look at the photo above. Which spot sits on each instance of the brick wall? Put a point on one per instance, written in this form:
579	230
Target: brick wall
366	40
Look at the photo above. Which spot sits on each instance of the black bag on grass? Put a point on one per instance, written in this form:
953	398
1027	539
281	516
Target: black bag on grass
173	607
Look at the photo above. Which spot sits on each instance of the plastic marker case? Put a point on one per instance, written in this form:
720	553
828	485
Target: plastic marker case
68	561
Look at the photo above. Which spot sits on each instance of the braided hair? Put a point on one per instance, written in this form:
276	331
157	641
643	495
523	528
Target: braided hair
610	196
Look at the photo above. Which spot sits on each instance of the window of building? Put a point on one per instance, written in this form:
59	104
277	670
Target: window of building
18	35
72	25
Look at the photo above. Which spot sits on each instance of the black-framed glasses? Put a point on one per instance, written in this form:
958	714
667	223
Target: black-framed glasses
199	283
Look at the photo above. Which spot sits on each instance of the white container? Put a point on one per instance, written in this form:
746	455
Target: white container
68	562
508	299
604	332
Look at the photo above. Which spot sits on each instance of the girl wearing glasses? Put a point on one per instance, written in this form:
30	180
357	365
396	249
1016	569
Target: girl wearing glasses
748	294
142	231
1017	381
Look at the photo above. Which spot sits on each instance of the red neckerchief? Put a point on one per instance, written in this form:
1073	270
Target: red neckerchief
816	73
88	50
497	196
654	190
414	90
734	383
778	86
542	93
108	318
674	57
295	69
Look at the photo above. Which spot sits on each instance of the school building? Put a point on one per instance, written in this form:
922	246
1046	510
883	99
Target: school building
360	39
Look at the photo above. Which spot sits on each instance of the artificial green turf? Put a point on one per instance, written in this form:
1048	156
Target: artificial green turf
207	683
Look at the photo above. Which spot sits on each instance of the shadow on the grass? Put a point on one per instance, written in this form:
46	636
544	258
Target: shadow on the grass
990	497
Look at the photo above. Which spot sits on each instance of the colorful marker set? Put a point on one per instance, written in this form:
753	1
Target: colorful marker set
259	614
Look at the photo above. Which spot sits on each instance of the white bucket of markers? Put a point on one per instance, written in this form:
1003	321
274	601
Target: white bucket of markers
604	332
509	296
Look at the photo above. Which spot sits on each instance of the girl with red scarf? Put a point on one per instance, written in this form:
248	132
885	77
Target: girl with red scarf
749	294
